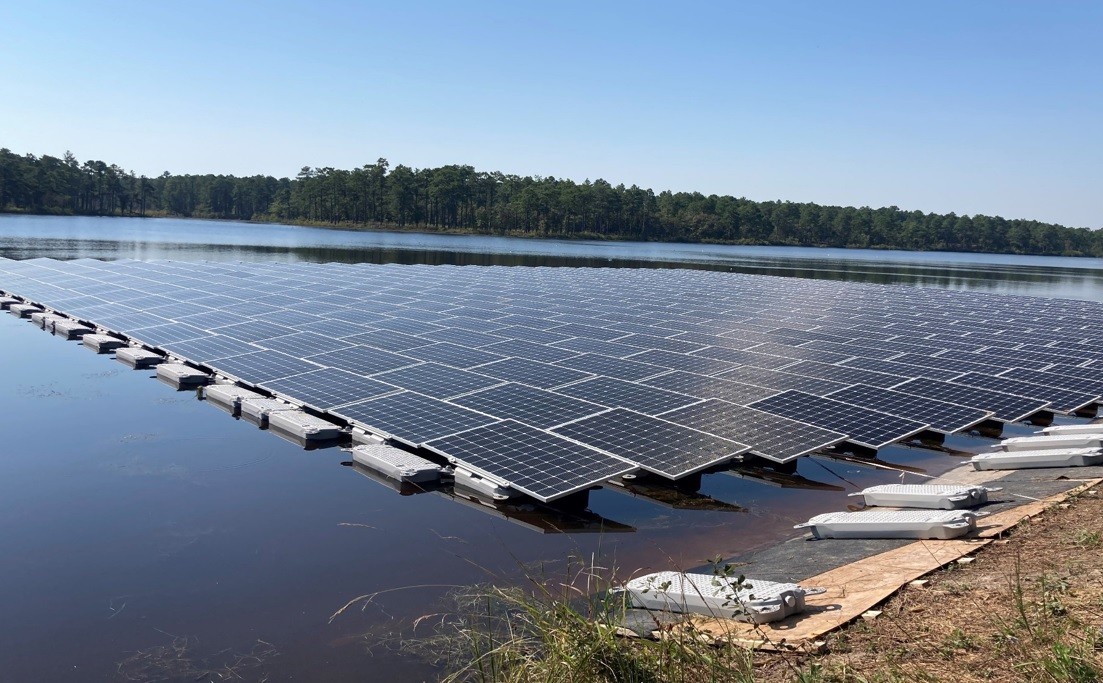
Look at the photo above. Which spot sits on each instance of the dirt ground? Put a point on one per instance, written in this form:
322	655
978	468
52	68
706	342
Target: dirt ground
1028	607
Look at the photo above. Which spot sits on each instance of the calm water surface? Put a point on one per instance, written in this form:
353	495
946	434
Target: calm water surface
135	520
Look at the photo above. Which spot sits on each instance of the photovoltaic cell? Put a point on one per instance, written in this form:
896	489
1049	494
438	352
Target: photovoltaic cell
438	381
363	360
862	426
531	372
541	409
1007	407
617	368
940	415
1065	400
412	418
303	344
616	393
261	366
530	460
709	387
452	354
769	436
658	446
328	388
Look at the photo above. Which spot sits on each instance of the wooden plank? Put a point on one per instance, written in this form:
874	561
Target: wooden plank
855	588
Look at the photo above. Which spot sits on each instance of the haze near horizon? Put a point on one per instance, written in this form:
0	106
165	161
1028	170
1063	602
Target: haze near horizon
986	107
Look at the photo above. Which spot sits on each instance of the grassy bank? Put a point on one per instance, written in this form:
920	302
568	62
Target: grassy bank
1028	608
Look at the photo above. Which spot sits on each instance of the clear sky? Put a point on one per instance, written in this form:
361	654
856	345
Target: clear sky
984	106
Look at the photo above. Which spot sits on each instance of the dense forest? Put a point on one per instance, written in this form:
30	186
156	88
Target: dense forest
461	199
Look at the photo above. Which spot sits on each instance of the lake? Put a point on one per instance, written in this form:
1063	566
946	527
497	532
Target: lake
148	534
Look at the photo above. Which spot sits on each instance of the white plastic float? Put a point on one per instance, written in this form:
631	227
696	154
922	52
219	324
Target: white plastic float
916	524
23	310
71	329
1046	442
395	463
753	600
926	496
303	425
228	396
7	302
44	319
259	410
181	376
1061	430
1052	457
102	343
137	357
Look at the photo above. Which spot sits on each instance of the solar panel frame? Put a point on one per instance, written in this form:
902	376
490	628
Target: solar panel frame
435	380
534	407
864	427
941	416
327	388
650	442
502	452
769	436
1005	407
615	393
411	418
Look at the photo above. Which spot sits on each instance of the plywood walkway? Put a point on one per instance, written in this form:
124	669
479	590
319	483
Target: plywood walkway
855	588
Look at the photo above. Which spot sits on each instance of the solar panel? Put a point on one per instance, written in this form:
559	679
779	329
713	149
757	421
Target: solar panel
1007	407
388	340
770	436
211	319
901	370
782	381
518	348
658	446
940	415
616	393
412	418
588	331
531	372
288	318
438	381
303	344
254	330
529	460
363	360
618	368
211	348
160	335
261	366
1064	400
1055	379
464	337
649	329
584	345
950	361
452	354
862	426
328	388
709	387
542	409
844	374
681	361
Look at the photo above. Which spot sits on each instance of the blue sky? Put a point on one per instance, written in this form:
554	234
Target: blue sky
989	107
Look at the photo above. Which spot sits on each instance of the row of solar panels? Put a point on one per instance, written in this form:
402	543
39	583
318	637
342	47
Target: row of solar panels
414	416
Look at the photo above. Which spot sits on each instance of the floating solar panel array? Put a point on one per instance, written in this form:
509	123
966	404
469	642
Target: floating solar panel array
551	380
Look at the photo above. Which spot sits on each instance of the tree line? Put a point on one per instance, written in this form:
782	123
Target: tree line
457	198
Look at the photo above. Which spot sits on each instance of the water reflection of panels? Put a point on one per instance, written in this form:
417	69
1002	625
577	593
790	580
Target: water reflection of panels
785	480
541	518
870	461
670	495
